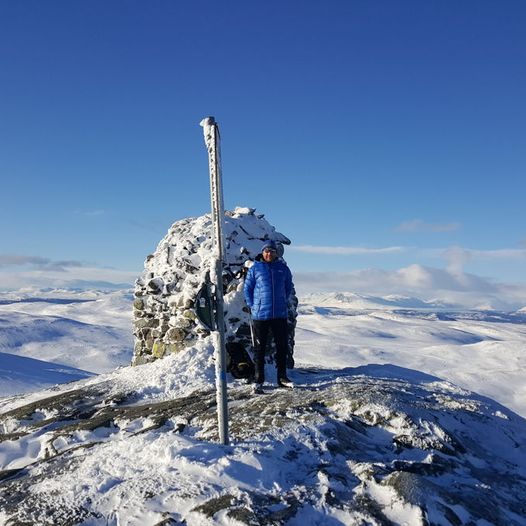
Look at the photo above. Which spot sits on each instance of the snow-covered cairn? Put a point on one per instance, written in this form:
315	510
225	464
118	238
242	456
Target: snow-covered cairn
165	320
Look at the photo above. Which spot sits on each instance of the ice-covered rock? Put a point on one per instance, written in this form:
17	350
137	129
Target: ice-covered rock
165	319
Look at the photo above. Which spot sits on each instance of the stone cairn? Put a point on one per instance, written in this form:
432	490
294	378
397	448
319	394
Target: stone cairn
165	320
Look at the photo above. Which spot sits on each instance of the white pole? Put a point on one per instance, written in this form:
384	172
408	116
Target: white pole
211	132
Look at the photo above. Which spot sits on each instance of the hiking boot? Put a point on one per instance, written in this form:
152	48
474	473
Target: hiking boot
285	382
258	389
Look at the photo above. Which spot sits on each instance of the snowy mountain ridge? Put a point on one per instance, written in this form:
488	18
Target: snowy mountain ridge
364	301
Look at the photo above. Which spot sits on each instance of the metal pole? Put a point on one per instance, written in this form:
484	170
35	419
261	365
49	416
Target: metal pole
211	132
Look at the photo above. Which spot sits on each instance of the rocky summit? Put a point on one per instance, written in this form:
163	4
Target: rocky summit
378	445
164	309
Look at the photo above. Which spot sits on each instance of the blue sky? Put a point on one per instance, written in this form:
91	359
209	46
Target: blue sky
375	134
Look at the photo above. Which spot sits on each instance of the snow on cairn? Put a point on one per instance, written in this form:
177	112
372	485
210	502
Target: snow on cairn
165	321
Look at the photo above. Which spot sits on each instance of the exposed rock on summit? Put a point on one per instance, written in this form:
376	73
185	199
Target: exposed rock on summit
389	447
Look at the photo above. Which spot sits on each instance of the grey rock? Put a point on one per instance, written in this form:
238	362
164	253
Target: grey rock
138	304
146	323
175	334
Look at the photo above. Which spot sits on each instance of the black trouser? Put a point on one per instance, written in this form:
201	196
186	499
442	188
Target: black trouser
280	332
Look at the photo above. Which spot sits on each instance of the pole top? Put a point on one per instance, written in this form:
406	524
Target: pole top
207	121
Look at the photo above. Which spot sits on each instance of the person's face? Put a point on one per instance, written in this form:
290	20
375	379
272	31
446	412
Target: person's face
269	255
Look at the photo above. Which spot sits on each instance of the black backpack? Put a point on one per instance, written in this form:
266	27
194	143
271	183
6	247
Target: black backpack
240	364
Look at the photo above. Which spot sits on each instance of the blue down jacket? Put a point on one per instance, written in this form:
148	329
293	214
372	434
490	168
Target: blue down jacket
267	289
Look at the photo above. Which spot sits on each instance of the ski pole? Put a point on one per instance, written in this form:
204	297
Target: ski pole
251	331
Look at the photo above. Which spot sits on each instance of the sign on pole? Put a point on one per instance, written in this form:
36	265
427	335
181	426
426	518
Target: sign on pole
211	132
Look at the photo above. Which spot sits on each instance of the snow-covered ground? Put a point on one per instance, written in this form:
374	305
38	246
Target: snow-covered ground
483	351
405	412
89	331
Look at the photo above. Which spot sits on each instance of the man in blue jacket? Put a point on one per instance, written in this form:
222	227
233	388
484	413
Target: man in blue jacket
267	289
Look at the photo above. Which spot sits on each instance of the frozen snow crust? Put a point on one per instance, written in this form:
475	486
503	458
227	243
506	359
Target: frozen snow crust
164	316
368	445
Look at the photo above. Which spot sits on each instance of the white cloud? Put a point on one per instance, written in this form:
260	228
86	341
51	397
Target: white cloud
457	257
38	262
417	225
81	277
345	251
91	213
8	260
426	283
504	253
